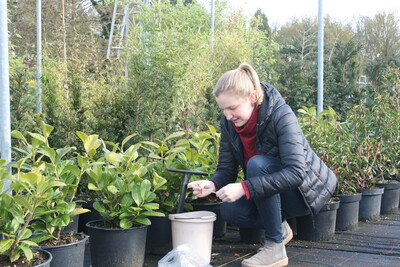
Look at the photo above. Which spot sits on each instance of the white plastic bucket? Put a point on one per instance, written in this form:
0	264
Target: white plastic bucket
194	229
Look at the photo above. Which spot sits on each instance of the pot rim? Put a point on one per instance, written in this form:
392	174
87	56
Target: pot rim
89	225
85	237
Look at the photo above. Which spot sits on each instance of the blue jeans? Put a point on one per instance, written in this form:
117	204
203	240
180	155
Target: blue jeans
265	212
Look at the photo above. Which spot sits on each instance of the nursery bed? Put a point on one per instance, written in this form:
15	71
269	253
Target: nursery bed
371	244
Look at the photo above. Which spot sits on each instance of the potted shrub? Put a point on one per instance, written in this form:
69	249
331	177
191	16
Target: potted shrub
331	139
197	152
161	155
385	131
366	150
321	132
55	214
202	155
127	194
18	208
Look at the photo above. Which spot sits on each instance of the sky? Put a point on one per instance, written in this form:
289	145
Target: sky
279	12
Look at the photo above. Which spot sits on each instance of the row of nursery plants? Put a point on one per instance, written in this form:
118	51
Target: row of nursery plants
363	149
128	182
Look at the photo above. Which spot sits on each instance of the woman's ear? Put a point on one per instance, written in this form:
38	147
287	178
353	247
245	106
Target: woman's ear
253	98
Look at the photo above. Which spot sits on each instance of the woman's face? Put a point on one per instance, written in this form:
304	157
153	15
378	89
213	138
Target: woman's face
236	109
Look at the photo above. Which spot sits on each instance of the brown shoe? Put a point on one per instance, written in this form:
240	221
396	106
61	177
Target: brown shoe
271	255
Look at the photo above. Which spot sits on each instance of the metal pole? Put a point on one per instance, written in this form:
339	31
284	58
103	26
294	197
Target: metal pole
212	22
320	99
112	30
39	55
5	120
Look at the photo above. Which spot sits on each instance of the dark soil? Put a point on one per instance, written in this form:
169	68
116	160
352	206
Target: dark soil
37	259
64	239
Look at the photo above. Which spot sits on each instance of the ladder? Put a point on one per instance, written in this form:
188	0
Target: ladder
121	20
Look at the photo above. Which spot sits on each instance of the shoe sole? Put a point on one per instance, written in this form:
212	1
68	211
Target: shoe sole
283	262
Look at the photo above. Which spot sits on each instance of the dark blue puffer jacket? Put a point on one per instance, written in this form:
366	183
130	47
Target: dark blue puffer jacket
278	135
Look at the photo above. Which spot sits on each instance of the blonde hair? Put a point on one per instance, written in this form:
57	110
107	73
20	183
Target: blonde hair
241	81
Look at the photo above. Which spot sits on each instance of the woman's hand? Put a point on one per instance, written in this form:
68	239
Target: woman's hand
202	188
231	192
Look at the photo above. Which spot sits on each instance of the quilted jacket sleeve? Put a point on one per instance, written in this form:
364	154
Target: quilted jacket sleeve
289	140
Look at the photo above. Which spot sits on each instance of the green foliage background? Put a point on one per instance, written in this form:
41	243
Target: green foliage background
163	80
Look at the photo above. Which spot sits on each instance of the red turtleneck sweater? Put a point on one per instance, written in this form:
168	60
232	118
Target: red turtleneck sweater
247	134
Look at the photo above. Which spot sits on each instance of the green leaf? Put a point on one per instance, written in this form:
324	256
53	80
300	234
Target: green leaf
62	220
7	200
93	187
73	169
125	223
177	134
5	244
212	129
46	129
82	161
27	234
30	243
127	139
143	220
113	157
126	200
90	143
150	144
136	196
158	181
27	251
61	152
78	211
100	208
112	189
31	178
38	137
152	213
145	189
49	152
82	136
14	255
40	238
18	135
151	206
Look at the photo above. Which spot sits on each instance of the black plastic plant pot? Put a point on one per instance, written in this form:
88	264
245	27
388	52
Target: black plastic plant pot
159	235
86	217
47	255
347	213
116	246
370	204
390	197
325	224
73	226
251	235
68	255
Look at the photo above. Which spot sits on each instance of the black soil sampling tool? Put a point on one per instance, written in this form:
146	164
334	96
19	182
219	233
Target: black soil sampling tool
184	185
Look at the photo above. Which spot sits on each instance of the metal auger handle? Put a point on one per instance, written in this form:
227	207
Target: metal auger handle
184	185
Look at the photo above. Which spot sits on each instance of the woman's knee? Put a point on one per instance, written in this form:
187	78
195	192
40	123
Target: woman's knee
237	214
260	164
